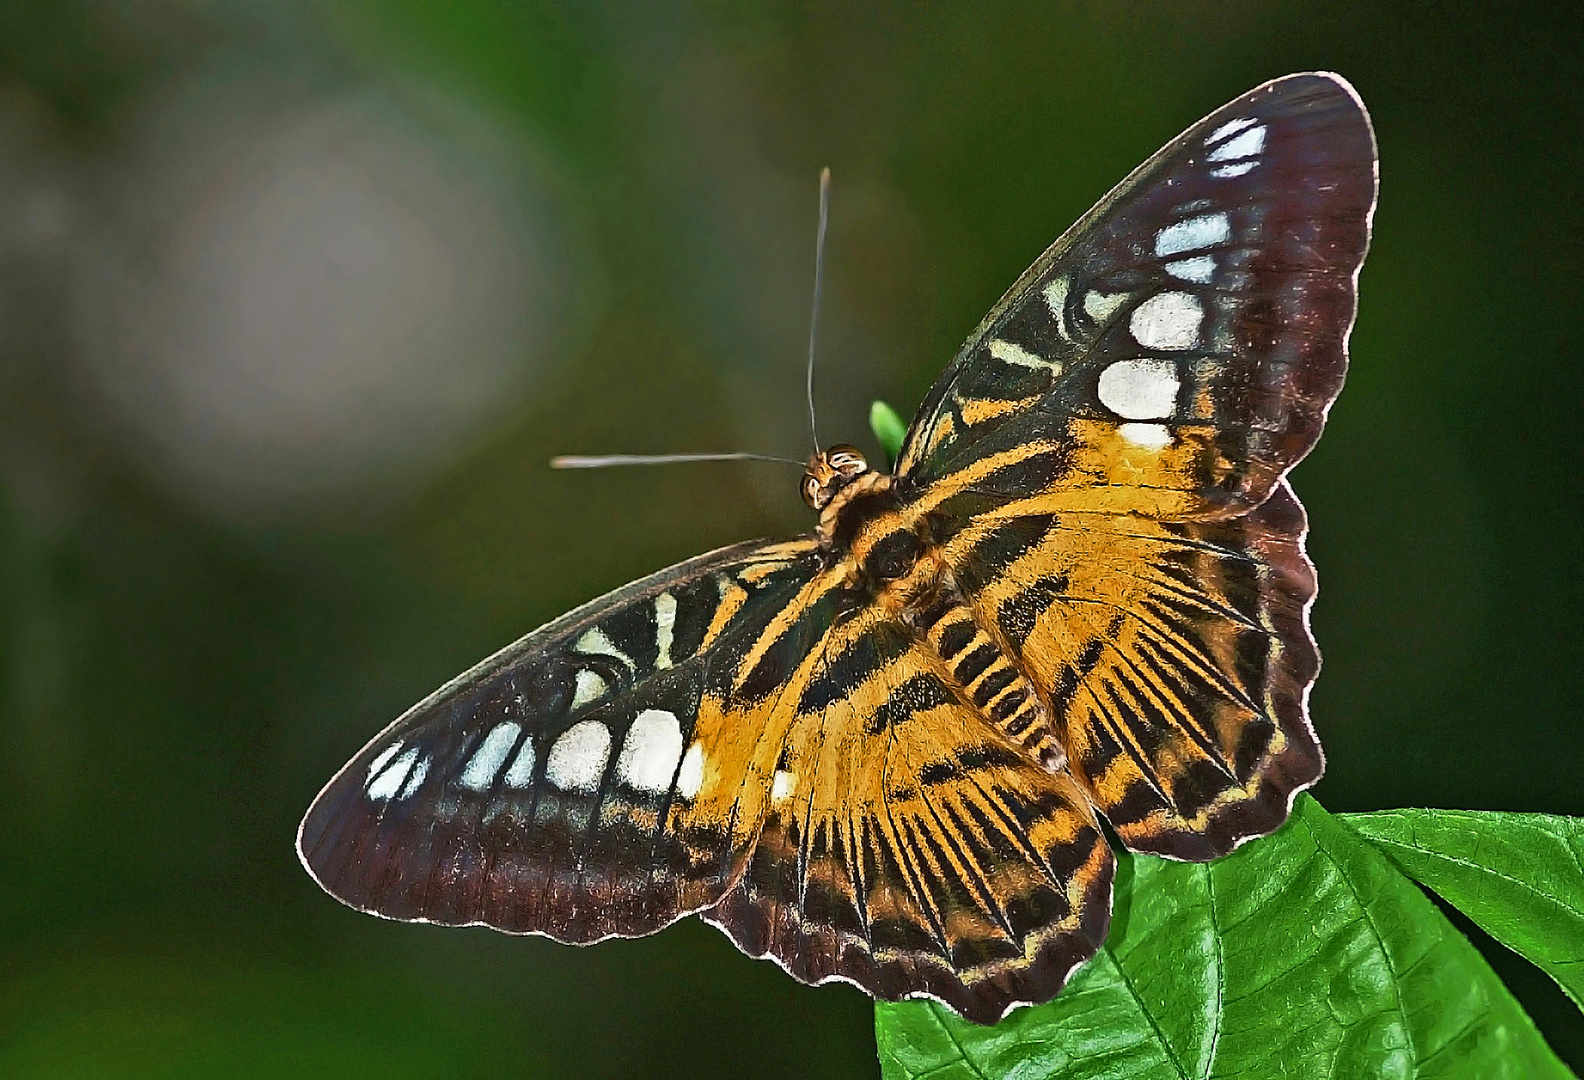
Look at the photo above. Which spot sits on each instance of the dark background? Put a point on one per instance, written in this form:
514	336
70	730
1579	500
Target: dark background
296	300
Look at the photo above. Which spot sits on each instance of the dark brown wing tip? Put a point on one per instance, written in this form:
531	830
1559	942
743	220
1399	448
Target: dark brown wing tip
1325	217
326	837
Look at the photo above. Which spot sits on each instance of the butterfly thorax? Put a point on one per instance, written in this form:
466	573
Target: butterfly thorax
890	559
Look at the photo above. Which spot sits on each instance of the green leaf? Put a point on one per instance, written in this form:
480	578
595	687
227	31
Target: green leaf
888	428
1302	954
1519	876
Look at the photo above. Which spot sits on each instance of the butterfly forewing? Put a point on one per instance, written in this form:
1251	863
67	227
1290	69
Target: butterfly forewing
577	783
1183	341
877	754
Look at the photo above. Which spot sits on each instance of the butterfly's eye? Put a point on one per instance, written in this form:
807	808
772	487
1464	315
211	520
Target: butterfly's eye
814	492
846	460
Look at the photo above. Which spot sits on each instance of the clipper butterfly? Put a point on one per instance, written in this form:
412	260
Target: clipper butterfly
881	752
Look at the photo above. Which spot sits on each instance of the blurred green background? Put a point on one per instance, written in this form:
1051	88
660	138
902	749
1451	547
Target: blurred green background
297	299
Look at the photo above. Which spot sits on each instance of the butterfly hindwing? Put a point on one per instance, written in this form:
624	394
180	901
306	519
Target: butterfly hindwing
1175	658
908	846
1179	346
572	784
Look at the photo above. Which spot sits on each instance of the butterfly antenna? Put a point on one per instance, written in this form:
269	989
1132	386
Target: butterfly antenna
575	461
819	281
604	461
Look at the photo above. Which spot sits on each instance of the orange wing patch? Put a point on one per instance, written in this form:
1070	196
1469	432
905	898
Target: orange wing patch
908	846
1175	656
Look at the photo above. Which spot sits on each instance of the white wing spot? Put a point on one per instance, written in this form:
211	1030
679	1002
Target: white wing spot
487	760
1200	268
384	759
782	787
690	777
595	643
665	622
1226	172
1101	306
1008	353
1150	436
415	779
1228	128
649	753
1246	145
1055	293
1168	320
577	760
587	687
390	781
1140	389
1193	234
520	775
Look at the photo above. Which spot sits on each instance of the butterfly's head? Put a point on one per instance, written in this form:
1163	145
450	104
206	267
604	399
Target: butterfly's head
829	471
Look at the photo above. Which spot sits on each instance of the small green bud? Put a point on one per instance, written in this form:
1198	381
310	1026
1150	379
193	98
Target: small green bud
888	428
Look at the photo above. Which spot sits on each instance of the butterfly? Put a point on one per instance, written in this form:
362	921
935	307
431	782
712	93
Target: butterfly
881	752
